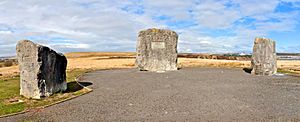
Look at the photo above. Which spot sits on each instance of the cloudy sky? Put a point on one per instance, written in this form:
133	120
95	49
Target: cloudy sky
204	26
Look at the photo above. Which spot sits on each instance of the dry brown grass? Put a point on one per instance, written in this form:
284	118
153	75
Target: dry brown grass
108	60
192	62
96	63
7	72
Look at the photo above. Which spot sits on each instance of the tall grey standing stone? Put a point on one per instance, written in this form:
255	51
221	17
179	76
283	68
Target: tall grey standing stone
157	50
42	70
264	60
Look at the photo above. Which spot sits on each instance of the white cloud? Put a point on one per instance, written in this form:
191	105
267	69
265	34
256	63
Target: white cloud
215	14
174	8
204	42
113	25
71	46
6	32
257	6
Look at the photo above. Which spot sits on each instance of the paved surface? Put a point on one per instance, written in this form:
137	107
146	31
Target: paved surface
192	94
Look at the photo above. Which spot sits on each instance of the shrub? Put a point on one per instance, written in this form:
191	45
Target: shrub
8	63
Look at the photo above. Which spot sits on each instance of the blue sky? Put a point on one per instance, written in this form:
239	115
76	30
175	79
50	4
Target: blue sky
204	26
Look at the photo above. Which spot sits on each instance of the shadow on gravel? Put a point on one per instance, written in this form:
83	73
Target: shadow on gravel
247	70
74	86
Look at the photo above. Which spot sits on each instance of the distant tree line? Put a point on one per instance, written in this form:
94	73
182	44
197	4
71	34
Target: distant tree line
8	62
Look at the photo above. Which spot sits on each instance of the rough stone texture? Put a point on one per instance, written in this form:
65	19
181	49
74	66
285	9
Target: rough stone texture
42	70
264	57
157	50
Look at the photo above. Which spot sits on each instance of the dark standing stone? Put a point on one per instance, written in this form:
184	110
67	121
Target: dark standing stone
157	50
264	57
42	70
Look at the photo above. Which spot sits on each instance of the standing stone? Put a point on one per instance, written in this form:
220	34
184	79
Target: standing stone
264	57
157	50
42	70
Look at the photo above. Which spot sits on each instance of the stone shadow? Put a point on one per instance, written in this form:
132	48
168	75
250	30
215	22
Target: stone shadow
74	86
248	70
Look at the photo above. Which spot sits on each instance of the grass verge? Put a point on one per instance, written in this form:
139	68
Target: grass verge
289	72
11	102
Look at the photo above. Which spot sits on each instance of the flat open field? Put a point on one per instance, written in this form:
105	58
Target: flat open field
110	60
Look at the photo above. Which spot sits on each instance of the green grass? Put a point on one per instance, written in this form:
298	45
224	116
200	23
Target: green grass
11	108
71	75
290	72
10	89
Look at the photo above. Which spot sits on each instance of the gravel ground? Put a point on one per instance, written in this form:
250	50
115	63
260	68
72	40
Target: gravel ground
190	94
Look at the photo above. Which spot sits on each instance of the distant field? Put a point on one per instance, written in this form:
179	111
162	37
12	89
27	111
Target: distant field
110	60
99	54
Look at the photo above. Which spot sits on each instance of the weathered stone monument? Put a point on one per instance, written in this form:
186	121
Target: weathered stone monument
264	57
42	70
157	50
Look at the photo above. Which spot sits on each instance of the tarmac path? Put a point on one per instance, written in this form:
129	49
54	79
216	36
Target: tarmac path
190	94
